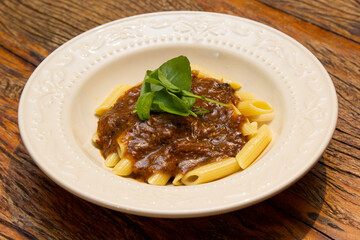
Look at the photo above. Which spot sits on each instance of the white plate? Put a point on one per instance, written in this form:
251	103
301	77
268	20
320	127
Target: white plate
56	108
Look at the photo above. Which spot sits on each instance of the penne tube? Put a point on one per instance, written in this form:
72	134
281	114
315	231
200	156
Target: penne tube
254	147
249	128
204	73
123	167
211	171
111	160
263	117
244	96
254	107
121	147
111	99
159	179
177	180
235	109
118	149
95	138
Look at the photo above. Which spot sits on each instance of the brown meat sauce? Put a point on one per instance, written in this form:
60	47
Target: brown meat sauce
170	143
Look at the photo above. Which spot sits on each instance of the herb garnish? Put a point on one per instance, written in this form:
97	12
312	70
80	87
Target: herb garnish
167	89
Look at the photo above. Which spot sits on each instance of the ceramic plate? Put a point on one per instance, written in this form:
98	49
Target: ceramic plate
56	112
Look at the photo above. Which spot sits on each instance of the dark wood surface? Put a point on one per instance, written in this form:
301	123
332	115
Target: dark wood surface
324	204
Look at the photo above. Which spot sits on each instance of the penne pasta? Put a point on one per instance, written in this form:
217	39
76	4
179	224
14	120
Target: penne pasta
254	147
254	107
121	147
123	167
211	171
118	150
111	160
95	138
204	73
111	99
249	128
177	180
244	96
235	109
263	117
159	179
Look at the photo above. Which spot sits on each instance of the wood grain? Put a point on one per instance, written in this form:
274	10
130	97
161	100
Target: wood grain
322	205
339	17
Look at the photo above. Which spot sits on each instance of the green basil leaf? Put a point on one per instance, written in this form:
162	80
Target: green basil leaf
151	74
143	105
153	81
147	86
188	100
155	85
155	108
178	72
169	102
166	84
167	89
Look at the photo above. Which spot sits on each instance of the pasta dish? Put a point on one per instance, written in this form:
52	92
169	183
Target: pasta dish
224	132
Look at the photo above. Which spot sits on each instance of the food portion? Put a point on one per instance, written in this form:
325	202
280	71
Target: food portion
183	124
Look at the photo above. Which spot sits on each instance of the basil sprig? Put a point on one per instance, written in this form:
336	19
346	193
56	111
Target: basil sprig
167	89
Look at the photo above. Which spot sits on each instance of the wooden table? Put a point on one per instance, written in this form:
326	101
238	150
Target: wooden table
325	204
